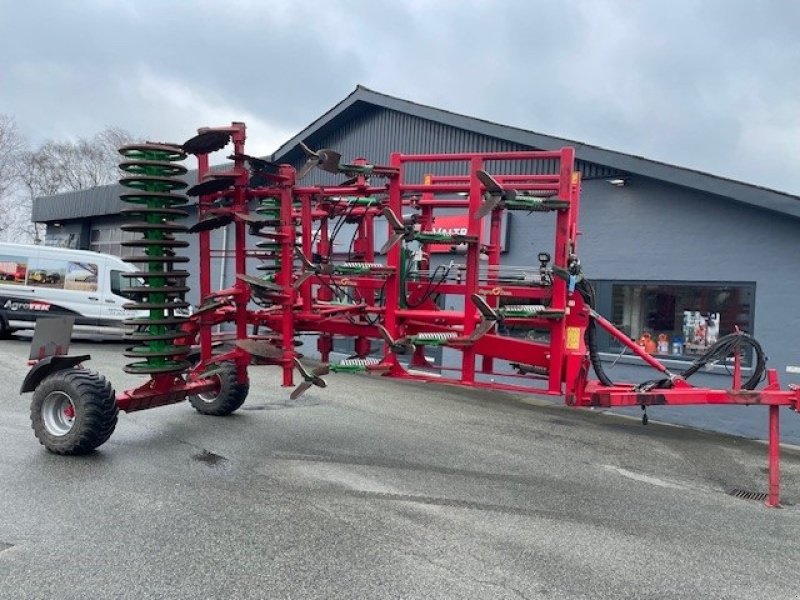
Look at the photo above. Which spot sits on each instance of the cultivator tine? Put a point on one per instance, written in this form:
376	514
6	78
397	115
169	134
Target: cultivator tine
490	202
490	183
300	390
391	242
482	329
214	370
260	348
302	279
310	378
254	220
210	306
494	194
304	259
325	159
329	160
258	282
483	307
395	223
312	161
258	165
396	346
399	229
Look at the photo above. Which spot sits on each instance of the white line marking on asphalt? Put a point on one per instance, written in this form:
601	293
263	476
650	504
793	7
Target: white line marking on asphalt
644	478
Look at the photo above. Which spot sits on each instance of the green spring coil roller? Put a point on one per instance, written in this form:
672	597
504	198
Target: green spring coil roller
158	287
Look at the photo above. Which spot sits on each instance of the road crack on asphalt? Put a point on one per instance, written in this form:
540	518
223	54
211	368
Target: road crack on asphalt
502	586
455	573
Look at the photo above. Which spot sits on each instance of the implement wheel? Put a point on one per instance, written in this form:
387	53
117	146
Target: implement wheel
226	398
73	411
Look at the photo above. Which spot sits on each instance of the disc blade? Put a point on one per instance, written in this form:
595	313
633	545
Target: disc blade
206	142
211	185
211	223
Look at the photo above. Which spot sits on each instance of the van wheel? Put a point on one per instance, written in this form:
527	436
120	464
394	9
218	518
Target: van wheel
73	411
226	398
5	330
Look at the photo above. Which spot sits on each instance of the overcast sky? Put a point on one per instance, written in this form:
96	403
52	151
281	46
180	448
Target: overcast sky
711	85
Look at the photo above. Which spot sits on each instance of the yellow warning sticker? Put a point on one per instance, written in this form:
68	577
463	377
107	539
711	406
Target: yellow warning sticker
573	338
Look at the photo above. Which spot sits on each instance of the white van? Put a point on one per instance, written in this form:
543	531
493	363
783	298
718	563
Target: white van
42	280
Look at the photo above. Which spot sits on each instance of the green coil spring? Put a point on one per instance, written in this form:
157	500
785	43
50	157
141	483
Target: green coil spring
271	208
158	287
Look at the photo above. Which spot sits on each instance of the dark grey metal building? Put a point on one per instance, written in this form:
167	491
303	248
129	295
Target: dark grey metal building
672	251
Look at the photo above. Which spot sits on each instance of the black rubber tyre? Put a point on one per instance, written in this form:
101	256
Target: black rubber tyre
73	411
230	396
5	330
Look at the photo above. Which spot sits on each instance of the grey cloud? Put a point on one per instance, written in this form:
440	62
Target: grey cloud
708	85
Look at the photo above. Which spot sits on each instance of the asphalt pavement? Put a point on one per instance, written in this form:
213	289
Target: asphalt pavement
374	488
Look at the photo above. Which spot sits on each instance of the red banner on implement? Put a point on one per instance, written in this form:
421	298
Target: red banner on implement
451	225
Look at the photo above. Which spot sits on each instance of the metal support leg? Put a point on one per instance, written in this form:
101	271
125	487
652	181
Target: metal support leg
773	500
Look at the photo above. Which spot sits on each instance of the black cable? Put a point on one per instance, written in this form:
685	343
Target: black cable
338	227
586	290
727	346
724	347
430	288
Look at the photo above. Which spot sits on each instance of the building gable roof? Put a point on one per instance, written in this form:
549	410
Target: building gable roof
363	98
104	200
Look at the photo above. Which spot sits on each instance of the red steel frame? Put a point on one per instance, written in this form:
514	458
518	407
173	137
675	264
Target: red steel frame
562	363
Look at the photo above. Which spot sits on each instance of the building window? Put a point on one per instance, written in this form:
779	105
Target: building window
109	241
675	319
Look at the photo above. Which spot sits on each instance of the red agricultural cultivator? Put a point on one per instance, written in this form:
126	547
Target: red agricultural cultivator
295	277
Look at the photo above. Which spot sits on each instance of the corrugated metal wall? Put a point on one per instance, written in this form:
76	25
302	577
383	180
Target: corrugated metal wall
377	132
370	132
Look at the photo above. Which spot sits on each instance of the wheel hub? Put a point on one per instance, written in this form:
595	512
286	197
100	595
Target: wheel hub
58	413
212	394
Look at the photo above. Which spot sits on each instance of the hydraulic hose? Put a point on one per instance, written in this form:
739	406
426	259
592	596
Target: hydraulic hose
724	347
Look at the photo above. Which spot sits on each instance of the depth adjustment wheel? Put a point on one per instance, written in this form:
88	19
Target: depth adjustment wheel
73	411
226	398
